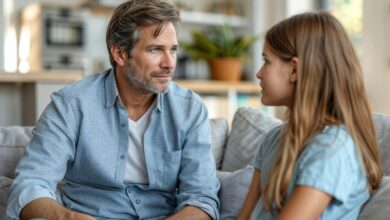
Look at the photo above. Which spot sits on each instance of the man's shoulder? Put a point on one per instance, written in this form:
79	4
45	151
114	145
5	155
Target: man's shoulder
89	84
178	92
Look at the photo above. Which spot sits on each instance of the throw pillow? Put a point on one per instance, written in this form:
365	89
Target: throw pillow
219	132
378	205
13	140
382	128
248	130
234	187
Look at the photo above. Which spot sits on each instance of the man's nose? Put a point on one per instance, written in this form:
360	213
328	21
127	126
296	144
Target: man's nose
168	61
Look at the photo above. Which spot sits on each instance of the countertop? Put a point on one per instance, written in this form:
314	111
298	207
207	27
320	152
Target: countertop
48	76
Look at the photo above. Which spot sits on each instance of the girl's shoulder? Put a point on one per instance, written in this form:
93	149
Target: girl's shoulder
274	133
332	147
331	137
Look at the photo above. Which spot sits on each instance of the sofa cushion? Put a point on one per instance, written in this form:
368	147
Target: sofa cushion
13	140
382	127
248	129
219	132
378	205
234	187
5	184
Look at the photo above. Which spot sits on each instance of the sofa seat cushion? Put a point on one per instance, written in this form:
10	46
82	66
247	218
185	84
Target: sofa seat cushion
248	130
234	188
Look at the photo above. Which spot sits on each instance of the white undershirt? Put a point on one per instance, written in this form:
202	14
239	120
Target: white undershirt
136	171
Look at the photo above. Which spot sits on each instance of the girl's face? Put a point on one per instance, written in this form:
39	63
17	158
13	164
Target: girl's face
277	79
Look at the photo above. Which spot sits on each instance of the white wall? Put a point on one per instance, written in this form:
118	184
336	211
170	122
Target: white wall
376	53
1	35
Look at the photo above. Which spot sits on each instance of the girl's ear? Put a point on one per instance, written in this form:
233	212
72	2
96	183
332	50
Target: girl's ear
294	72
118	55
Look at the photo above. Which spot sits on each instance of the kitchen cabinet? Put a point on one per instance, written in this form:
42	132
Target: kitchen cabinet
23	97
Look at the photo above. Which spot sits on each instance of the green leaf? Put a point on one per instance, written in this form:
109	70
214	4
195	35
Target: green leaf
220	42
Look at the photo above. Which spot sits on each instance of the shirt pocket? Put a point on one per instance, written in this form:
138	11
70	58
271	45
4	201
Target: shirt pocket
171	168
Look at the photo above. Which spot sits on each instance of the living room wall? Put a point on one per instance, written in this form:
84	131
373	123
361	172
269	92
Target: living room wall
376	53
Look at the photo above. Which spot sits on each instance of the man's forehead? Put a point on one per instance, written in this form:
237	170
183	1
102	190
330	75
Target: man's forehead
166	36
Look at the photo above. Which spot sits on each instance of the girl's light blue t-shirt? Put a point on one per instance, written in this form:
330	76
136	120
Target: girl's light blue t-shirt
329	163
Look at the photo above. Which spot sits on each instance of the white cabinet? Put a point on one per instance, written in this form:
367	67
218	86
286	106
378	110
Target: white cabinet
23	97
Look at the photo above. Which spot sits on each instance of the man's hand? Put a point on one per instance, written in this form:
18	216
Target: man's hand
49	209
190	213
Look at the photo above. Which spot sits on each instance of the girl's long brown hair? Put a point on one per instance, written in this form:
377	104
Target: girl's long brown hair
329	90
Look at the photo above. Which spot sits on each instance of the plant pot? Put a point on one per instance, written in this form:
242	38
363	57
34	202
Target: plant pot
226	69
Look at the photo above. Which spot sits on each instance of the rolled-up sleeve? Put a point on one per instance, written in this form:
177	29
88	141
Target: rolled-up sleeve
198	182
46	157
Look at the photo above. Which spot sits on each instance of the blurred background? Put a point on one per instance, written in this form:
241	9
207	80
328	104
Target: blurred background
47	44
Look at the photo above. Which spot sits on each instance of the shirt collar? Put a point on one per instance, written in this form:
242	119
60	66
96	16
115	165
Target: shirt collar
110	88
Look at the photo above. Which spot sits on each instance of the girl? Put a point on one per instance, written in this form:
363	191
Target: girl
324	161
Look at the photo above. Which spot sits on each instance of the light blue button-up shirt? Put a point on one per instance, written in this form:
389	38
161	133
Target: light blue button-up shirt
82	137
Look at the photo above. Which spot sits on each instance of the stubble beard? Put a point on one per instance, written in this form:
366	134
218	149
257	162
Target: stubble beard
144	87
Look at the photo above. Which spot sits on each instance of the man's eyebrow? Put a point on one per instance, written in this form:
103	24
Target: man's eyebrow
161	45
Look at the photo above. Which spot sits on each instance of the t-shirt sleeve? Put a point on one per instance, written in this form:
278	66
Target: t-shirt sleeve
267	147
258	158
329	166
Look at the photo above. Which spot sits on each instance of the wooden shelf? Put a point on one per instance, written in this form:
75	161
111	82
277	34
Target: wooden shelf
50	76
207	18
190	17
220	87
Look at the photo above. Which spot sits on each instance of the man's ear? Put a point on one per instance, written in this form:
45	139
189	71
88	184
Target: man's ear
118	55
294	70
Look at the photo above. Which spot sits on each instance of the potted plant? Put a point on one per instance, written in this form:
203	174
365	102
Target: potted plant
222	49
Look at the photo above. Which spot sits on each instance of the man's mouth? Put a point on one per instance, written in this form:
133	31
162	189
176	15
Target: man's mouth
163	75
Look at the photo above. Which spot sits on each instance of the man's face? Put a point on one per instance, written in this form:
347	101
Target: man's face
152	60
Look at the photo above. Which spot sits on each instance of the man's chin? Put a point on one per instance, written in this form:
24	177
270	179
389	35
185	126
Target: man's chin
165	87
161	87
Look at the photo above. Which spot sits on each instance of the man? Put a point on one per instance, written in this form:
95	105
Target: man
128	143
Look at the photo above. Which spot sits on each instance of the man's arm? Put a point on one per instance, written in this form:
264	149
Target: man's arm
46	157
49	209
190	212
198	183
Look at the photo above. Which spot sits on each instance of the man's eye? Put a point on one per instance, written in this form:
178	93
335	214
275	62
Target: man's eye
154	50
173	50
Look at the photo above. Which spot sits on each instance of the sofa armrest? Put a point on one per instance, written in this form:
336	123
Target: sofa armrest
13	140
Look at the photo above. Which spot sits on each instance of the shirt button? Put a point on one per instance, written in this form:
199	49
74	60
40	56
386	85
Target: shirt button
123	125
122	157
137	201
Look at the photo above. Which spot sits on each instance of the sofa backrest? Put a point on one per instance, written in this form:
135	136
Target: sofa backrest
382	128
231	151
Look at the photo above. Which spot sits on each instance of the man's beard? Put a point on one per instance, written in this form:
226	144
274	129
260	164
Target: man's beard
144	87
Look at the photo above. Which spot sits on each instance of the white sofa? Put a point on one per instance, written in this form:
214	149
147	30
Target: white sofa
234	150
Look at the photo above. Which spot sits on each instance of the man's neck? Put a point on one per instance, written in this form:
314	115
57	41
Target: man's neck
135	101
